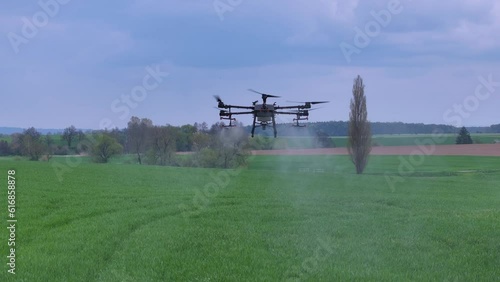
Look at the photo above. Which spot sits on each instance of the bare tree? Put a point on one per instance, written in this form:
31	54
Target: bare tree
137	132
222	148
231	147
162	145
200	140
49	146
15	143
31	143
360	138
4	148
81	135
69	134
201	127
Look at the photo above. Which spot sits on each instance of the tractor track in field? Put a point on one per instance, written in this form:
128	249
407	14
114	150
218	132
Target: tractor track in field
134	227
437	150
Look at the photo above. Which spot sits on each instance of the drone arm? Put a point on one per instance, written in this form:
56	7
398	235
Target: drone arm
242	113
237	107
286	113
299	107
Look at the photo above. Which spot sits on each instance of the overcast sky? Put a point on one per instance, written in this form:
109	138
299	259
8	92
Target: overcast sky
95	64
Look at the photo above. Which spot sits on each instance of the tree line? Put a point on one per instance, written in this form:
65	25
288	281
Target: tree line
150	144
208	146
155	144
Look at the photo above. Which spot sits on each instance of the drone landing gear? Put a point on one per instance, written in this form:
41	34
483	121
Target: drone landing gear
274	127
230	122
226	115
297	124
253	125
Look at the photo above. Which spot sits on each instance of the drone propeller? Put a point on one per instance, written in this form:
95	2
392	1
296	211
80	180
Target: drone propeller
302	111
264	94
312	103
217	98
224	113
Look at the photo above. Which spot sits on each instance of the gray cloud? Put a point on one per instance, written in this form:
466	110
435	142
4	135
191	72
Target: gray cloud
91	53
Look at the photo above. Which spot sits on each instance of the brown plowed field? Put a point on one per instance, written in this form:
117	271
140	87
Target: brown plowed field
438	150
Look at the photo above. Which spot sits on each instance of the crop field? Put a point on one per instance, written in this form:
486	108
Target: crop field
281	218
384	140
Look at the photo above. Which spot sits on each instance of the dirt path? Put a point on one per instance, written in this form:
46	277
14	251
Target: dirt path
441	150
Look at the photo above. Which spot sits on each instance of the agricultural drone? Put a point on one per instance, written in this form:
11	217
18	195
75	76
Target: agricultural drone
264	114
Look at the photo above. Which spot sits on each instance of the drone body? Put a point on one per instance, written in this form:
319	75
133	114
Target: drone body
264	114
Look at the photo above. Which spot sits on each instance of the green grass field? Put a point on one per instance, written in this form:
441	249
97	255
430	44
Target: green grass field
283	218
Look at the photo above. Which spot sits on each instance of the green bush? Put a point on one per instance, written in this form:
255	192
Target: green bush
105	148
